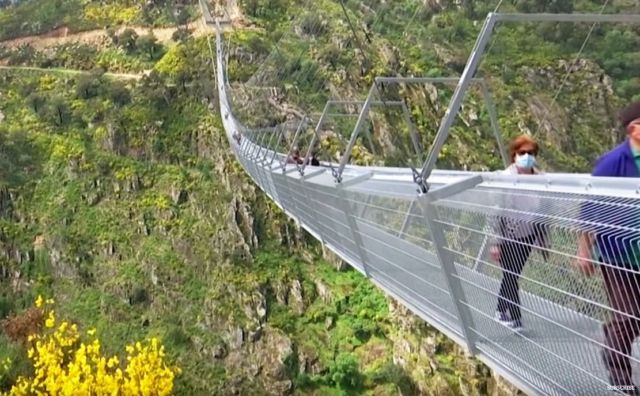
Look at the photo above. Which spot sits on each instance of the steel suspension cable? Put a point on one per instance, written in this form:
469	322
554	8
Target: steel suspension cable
571	66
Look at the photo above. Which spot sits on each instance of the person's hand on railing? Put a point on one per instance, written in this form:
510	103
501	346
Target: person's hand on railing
584	266
583	262
494	253
544	248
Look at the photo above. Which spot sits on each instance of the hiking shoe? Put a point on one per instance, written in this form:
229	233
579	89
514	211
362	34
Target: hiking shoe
624	389
505	320
502	317
515	325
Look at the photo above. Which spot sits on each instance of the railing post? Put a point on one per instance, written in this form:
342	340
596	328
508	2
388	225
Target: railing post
362	118
314	139
447	262
353	227
283	164
413	132
312	212
266	151
407	220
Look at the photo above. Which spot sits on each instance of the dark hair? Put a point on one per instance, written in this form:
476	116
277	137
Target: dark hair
520	141
629	113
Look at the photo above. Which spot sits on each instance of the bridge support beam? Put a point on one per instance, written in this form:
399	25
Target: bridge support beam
447	262
362	118
456	99
493	117
294	143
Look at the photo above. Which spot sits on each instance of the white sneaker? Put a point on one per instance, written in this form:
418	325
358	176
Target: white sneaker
515	325
502	317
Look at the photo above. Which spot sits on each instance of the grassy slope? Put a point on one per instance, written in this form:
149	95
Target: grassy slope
318	58
120	254
99	223
30	17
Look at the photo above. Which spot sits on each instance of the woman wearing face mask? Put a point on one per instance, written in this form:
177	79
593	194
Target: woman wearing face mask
518	233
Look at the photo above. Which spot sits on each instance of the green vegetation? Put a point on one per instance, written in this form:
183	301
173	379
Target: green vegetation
120	198
29	17
314	55
117	201
127	53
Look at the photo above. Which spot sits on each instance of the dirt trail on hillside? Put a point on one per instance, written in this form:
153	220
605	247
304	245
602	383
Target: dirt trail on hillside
122	76
93	37
99	37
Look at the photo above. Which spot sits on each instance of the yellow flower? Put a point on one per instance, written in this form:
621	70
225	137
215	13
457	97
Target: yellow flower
39	301
65	365
51	320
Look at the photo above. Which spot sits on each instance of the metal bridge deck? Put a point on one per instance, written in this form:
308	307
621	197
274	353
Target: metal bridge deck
424	249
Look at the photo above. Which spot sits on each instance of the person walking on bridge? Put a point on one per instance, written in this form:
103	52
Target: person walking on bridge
518	234
617	244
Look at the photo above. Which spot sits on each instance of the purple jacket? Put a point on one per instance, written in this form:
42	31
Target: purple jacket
618	162
615	246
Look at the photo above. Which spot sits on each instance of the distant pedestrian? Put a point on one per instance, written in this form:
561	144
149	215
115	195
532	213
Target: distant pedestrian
294	158
314	159
518	234
237	137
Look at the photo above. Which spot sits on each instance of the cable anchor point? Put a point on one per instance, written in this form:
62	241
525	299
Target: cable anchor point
423	186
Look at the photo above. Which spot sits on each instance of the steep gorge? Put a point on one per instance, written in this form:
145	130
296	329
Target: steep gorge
123	202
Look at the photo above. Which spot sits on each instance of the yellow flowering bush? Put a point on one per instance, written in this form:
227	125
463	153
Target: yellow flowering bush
65	364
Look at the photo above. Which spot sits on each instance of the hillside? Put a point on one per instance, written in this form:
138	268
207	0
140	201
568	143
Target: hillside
539	79
119	198
126	207
29	17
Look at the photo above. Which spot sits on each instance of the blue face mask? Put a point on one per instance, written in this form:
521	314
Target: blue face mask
525	161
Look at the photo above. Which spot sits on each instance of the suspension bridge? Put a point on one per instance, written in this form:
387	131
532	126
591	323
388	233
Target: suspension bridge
422	234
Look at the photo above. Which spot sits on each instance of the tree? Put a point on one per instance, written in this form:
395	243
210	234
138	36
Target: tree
59	112
552	6
119	94
149	44
155	88
112	32
127	40
36	102
24	55
182	78
183	17
73	360
251	6
206	89
180	35
331	54
88	87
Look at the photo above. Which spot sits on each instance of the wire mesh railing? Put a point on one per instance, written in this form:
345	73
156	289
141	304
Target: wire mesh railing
488	259
388	237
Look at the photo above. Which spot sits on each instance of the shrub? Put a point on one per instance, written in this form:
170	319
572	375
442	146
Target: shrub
313	25
65	364
344	372
19	327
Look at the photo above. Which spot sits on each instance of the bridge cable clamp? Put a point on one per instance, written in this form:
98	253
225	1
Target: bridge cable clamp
334	172
423	187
